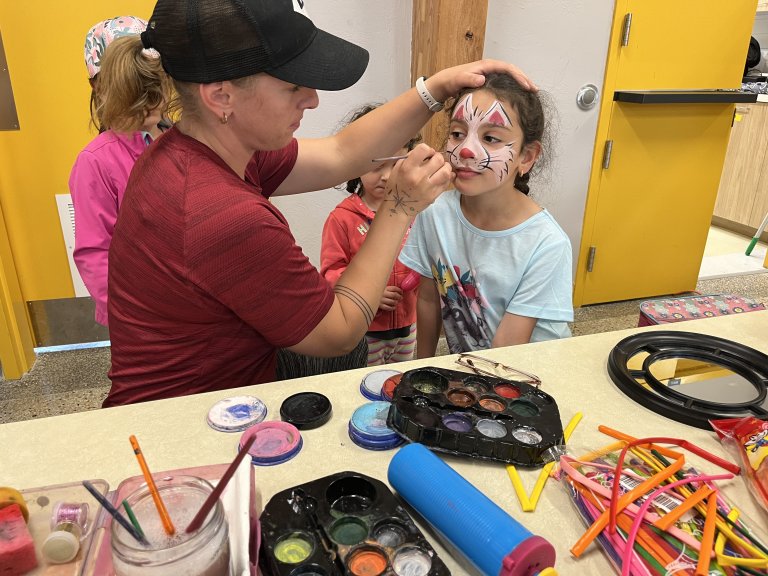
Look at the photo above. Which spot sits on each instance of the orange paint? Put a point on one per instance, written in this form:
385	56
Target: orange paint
367	563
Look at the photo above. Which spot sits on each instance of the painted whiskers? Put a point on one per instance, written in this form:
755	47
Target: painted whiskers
661	517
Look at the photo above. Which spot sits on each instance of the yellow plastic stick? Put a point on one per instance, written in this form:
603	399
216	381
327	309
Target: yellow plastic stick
528	504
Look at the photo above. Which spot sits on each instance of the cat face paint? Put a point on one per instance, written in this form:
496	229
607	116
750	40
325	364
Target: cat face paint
482	138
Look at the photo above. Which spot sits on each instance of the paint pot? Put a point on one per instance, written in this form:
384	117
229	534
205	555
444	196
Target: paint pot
461	397
492	404
388	389
368	427
524	408
306	410
412	562
457	422
390	533
507	390
276	442
294	548
367	561
236	413
373	382
491	428
349	530
526	435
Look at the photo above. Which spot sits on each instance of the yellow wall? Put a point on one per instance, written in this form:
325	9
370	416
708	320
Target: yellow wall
44	47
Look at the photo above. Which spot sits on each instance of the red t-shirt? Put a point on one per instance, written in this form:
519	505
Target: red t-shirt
205	278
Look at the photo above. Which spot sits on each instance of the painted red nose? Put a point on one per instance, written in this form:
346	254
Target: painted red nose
466	153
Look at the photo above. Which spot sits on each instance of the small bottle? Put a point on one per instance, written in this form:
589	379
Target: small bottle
68	524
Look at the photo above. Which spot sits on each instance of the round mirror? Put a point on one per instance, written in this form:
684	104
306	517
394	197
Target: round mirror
691	378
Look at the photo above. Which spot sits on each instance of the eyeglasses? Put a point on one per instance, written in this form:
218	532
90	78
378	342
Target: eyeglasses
488	367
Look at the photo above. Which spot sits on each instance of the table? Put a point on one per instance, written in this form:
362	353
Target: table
174	434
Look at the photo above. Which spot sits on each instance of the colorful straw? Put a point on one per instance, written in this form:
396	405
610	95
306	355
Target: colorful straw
114	513
164	517
213	497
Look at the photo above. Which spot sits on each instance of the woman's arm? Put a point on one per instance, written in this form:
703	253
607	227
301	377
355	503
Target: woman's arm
428	318
325	162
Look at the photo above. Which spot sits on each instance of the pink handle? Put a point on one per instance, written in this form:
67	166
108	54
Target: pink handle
411	281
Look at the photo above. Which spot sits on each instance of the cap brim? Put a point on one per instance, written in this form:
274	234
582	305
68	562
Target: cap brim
328	63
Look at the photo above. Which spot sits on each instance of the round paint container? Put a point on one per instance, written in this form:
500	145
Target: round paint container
237	413
374	381
388	388
276	442
306	410
368	427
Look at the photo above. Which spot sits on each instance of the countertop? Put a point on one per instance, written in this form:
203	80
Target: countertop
174	434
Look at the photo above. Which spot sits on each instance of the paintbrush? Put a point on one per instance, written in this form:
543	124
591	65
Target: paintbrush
395	158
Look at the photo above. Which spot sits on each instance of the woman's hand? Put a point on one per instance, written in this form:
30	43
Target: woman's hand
416	181
449	81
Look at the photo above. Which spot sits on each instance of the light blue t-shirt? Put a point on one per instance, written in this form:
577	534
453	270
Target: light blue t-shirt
480	275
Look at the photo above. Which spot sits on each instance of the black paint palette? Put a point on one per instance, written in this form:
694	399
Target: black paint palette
477	416
343	524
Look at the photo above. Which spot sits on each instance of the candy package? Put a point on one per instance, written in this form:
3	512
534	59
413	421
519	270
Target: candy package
746	439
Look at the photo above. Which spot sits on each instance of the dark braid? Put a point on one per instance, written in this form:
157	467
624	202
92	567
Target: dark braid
521	182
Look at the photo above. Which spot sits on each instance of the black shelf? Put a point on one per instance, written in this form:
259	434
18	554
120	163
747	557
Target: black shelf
683	97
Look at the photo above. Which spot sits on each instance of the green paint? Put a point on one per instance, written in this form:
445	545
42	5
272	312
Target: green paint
293	550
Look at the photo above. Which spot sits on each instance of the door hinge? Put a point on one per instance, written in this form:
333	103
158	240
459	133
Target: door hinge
607	149
625	29
591	258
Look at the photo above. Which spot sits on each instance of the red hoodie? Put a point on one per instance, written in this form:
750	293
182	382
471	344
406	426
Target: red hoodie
343	234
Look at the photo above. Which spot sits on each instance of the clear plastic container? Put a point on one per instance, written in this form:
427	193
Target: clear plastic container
203	553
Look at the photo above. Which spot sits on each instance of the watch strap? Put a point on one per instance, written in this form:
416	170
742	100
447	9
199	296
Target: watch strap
426	96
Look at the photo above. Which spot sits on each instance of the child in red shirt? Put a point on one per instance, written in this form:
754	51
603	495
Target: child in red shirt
392	335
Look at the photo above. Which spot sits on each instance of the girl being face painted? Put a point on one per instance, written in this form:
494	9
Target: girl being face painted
484	143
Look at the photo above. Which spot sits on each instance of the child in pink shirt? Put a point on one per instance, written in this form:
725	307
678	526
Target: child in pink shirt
130	95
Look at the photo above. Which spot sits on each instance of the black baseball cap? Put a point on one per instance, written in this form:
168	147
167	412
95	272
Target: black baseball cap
207	41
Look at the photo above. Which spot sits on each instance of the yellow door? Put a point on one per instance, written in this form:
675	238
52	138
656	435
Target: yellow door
647	214
684	44
656	199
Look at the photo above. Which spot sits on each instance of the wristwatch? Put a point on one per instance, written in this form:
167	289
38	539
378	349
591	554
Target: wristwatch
426	97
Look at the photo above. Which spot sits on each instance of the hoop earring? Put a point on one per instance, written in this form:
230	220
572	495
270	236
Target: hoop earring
224	118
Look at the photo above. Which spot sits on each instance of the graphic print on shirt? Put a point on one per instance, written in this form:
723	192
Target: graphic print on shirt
462	309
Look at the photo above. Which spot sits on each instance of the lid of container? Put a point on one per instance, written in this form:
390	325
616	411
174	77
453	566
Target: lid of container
276	442
306	410
368	427
373	381
60	547
237	413
388	389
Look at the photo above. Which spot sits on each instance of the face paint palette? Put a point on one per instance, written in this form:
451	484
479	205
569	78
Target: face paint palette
477	416
343	524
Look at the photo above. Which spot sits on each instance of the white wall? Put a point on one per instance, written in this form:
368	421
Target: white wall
384	29
561	45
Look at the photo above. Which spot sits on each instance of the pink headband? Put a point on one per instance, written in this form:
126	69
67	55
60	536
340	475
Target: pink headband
99	37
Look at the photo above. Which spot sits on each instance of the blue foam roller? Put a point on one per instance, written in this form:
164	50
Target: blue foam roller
494	542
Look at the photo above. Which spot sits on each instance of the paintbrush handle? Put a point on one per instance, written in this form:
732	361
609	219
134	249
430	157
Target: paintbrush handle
207	506
113	512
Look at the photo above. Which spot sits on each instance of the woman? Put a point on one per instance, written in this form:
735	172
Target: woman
206	280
